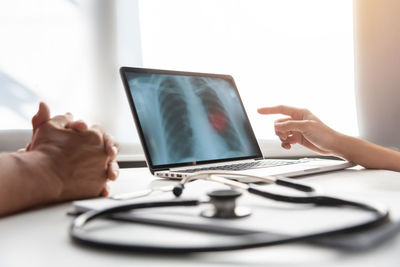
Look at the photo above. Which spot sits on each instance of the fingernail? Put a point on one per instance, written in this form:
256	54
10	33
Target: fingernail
115	168
115	150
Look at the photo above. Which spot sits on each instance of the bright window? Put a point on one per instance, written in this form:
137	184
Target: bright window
279	51
44	56
67	53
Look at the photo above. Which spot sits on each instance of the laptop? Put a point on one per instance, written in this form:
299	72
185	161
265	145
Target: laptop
189	122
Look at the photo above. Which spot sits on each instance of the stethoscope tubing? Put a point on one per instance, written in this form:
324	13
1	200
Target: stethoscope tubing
244	241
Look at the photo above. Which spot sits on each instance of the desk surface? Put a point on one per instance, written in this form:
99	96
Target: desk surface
40	237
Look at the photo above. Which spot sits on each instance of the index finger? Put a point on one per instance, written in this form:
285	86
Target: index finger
280	109
62	120
79	126
96	132
111	145
98	129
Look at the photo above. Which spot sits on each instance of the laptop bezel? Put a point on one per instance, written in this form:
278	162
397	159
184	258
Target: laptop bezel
154	168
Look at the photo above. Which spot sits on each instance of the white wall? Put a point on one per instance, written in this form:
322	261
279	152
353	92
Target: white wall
377	51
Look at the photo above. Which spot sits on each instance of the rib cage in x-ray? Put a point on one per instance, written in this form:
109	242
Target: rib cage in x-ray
176	124
177	118
217	115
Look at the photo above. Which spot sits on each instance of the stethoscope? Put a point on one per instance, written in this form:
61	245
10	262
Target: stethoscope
224	206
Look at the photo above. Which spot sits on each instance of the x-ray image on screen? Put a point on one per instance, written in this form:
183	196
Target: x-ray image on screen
190	118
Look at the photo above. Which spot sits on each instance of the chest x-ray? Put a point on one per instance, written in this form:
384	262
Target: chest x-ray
190	118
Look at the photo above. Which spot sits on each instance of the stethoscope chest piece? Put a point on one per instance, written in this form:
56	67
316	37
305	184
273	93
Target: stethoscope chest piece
224	205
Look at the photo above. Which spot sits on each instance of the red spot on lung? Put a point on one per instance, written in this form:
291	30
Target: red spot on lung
218	121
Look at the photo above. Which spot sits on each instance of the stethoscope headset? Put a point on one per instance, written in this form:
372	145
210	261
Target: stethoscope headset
223	202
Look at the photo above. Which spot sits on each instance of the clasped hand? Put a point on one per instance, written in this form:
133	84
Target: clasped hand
81	159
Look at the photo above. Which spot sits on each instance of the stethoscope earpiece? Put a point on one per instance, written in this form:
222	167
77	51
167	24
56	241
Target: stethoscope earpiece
178	189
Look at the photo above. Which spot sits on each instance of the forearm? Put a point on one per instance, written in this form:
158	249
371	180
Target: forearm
367	154
26	181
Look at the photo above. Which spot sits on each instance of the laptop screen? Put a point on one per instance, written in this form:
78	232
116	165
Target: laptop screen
189	118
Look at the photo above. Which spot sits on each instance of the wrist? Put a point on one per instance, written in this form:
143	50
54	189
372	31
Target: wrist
344	146
41	175
26	181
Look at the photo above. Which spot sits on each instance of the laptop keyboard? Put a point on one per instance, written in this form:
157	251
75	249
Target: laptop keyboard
245	166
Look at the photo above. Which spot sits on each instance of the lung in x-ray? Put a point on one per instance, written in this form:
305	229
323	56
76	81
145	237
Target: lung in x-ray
174	111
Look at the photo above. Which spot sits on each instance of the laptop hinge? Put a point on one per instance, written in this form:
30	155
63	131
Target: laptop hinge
211	165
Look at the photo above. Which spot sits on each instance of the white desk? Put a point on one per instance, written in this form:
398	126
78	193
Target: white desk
40	237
